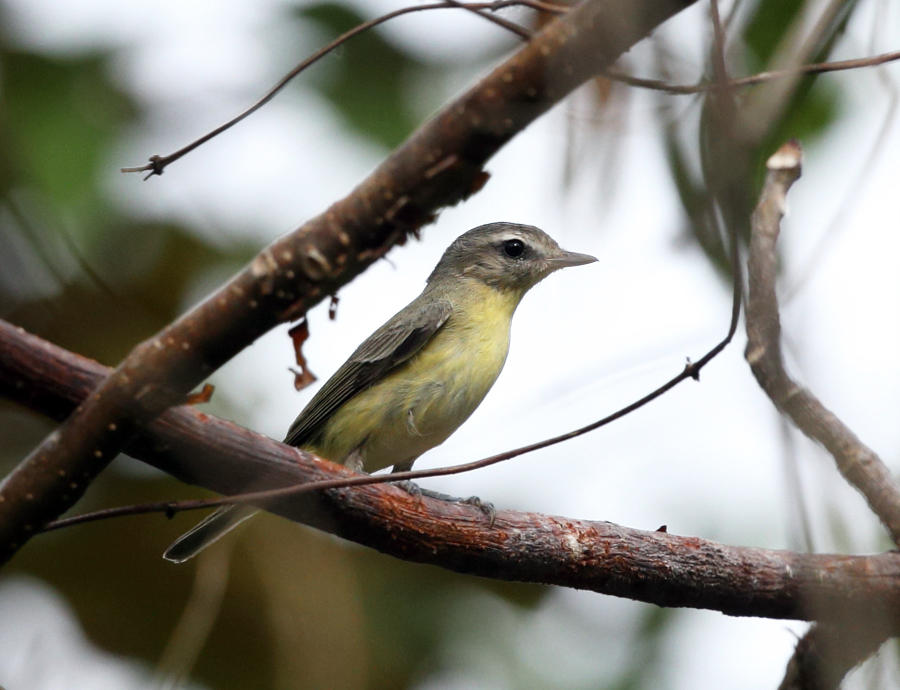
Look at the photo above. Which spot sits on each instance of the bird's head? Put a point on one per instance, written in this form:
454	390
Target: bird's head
506	256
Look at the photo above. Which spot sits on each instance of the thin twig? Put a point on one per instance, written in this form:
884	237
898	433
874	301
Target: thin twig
758	78
158	164
859	464
512	27
819	68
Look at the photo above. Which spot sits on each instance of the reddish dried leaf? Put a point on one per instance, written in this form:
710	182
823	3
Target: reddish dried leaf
204	395
302	378
299	334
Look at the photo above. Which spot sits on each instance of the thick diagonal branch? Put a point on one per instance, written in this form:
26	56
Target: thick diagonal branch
858	463
655	567
438	165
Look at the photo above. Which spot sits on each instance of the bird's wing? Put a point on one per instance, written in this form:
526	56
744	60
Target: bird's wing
392	344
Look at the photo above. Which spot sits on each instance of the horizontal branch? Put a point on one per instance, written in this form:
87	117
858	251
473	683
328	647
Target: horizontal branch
441	164
655	567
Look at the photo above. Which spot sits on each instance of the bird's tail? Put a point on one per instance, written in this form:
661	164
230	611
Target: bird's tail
208	530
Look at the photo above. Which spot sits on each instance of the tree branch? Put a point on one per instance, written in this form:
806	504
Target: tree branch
438	165
753	79
157	164
655	567
827	652
858	464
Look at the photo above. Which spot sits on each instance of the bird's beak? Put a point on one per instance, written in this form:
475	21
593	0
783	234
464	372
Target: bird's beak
564	259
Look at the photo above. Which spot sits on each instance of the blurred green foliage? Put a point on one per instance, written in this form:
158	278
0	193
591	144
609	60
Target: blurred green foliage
74	262
61	114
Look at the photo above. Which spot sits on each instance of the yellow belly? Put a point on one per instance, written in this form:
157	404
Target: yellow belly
419	404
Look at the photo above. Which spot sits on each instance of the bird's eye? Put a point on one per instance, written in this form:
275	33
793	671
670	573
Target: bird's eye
514	248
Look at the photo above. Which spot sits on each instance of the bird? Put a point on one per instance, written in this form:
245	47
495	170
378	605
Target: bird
419	376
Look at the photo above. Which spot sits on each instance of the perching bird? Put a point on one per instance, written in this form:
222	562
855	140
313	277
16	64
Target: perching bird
418	377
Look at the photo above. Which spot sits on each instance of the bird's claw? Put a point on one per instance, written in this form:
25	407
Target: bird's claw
485	507
409	487
414	489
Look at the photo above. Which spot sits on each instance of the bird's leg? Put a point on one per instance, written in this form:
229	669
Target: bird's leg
415	490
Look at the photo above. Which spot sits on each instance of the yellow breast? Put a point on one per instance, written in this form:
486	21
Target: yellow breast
420	403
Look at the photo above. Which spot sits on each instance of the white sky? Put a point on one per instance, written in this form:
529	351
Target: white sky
707	459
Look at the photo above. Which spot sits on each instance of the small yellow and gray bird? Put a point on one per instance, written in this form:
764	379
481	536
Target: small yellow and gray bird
418	377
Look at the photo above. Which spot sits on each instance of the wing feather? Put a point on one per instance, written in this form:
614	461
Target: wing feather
396	341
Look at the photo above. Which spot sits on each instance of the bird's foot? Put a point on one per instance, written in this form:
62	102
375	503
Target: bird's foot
485	507
409	487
